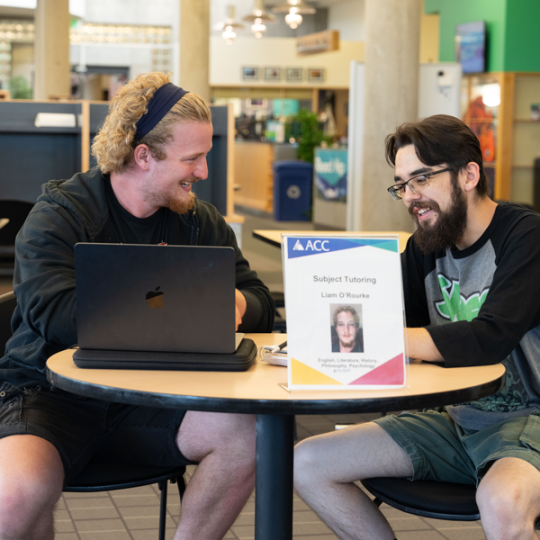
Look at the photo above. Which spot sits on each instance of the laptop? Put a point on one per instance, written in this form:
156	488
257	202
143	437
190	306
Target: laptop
146	306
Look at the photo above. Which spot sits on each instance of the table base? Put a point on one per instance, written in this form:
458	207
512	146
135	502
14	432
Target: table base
274	481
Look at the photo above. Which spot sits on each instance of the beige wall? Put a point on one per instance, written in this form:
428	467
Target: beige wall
226	61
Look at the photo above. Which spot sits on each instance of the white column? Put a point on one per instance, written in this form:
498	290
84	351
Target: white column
391	98
52	49
194	66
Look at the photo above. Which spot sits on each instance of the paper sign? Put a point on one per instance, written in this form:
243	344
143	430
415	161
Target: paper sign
345	317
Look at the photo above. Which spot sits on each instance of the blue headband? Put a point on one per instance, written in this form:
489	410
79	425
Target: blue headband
159	105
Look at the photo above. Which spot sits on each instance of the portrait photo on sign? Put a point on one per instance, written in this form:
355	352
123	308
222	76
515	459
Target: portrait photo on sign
346	328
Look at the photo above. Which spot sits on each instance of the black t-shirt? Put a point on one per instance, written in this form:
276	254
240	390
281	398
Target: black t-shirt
124	228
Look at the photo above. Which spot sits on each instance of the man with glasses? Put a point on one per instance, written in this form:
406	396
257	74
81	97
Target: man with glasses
472	297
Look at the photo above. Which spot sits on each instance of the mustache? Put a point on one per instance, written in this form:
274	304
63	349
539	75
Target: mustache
192	179
432	205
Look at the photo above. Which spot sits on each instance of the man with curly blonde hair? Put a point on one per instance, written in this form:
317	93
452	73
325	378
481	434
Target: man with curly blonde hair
150	151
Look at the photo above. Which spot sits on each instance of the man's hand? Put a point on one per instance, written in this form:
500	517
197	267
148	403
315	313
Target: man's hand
421	346
241	306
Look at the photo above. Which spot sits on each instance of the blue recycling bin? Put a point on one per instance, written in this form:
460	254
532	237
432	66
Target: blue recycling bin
293	182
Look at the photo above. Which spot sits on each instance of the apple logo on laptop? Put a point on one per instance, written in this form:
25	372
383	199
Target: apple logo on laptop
155	299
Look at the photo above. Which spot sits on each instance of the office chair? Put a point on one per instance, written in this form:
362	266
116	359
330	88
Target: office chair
12	216
280	324
439	500
107	476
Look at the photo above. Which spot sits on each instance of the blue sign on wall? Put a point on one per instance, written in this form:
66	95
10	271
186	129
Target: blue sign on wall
331	174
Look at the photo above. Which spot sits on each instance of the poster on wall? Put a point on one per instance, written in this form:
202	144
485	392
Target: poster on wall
331	174
345	314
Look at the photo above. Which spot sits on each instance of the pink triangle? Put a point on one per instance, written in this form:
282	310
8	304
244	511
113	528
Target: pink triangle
390	373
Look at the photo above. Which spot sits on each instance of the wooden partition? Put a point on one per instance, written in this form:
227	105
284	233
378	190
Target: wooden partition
253	174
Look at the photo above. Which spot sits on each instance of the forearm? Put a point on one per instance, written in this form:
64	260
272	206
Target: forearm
259	315
420	345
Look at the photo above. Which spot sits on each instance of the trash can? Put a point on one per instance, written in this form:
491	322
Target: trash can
293	182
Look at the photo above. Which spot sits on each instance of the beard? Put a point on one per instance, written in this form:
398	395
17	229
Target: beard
180	207
449	227
347	344
166	200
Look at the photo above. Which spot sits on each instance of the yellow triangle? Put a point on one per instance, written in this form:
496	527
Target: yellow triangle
302	374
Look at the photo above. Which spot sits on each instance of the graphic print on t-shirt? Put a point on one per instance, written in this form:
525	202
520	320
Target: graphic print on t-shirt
456	307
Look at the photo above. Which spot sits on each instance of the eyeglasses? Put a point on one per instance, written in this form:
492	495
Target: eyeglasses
417	184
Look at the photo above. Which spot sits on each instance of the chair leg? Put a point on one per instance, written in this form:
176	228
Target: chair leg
162	509
181	486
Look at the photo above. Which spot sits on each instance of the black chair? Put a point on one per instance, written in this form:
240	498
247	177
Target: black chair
15	214
107	476
280	324
439	500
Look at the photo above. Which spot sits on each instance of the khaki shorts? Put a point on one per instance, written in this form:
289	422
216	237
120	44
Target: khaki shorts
442	451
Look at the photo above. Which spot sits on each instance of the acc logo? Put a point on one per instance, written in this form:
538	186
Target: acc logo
317	245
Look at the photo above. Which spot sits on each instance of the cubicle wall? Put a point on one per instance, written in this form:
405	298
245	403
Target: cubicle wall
98	113
31	156
214	189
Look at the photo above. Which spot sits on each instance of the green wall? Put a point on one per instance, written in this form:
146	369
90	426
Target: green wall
513	30
522	49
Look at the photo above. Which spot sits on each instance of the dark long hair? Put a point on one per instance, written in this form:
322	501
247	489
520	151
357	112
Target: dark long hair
440	139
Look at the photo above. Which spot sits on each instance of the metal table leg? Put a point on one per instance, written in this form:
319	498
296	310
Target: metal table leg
274	483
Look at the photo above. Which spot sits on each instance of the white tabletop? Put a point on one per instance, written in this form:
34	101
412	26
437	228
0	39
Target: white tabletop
259	389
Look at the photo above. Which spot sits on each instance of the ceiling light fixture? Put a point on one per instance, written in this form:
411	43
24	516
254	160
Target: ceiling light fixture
294	9
258	17
229	26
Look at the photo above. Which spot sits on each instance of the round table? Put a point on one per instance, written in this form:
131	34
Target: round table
260	390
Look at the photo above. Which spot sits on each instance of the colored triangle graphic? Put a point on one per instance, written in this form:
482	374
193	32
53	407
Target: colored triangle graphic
391	372
303	374
384	243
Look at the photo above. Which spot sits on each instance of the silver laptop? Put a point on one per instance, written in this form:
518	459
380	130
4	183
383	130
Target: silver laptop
156	298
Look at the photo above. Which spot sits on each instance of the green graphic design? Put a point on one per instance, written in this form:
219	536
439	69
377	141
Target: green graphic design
456	307
512	397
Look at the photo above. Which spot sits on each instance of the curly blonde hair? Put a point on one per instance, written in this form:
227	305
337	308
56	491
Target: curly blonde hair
113	146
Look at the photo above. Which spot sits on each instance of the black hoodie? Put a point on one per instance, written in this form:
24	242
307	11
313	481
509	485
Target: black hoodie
76	210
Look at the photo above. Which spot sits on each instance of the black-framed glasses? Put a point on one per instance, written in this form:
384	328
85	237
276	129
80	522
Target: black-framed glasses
417	184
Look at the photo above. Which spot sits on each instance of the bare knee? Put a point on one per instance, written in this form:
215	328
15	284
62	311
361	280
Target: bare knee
231	437
307	464
31	477
503	510
25	502
355	453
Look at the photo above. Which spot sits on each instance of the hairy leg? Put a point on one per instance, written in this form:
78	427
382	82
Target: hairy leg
509	500
326	467
224	446
31	477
